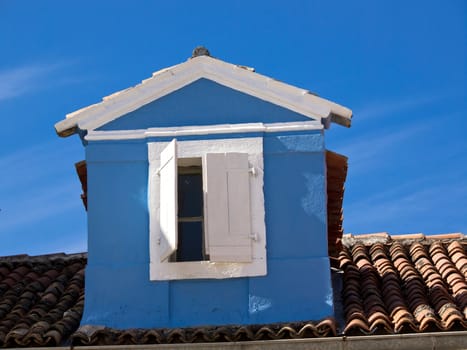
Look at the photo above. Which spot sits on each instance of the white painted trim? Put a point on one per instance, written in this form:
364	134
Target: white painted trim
201	130
206	269
170	79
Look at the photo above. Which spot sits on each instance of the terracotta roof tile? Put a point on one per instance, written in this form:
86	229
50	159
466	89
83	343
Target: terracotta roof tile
404	283
98	335
41	299
410	283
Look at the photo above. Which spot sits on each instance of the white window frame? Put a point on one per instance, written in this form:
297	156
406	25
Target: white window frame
164	270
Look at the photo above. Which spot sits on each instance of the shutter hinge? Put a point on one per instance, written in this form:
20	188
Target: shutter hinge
254	236
253	171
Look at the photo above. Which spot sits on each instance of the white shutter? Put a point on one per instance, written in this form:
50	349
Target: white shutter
168	201
227	207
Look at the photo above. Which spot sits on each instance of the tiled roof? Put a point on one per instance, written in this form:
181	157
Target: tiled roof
41	299
95	335
391	284
407	283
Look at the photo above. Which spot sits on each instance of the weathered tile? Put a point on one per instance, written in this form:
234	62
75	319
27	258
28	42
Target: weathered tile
40	299
404	283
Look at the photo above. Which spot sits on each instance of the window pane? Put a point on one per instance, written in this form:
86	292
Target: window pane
190	195
190	241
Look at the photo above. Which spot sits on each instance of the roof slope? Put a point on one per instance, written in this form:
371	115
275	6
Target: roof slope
41	299
404	283
170	79
96	335
391	284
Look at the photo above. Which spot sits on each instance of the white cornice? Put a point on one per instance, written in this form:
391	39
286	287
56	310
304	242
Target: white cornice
201	130
173	78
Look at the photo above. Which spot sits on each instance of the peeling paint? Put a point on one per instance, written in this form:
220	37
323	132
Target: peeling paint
310	204
258	304
329	298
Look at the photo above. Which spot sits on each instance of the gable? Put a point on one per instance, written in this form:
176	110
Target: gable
203	102
172	79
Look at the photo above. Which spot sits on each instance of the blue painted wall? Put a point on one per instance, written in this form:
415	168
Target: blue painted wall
297	287
203	102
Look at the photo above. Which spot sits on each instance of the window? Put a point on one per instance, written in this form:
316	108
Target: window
190	245
206	209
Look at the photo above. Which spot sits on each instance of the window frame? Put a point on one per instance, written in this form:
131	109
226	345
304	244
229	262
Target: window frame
166	270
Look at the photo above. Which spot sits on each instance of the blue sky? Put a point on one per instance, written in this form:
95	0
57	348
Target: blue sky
399	65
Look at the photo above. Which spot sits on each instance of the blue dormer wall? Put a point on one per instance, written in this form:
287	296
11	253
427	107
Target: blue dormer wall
297	286
203	102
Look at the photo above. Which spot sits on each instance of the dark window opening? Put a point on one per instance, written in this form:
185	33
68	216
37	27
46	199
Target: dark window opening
190	211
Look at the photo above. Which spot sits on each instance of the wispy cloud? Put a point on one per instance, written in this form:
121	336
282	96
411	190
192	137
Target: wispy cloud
26	79
395	179
38	204
40	161
376	110
39	183
432	201
371	148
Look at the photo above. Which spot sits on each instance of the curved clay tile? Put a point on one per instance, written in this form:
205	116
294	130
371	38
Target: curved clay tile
442	275
153	336
425	315
357	325
128	338
454	320
287	332
458	256
21	270
377	317
448	312
16	336
4	271
381	325
326	327
29	315
405	324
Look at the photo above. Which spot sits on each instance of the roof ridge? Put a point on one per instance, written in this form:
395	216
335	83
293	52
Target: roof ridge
349	239
52	256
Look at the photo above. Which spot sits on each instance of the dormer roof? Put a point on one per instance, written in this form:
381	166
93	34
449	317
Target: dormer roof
168	80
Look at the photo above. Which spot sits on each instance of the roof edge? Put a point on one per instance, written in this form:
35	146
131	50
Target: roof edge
34	258
167	80
349	240
434	340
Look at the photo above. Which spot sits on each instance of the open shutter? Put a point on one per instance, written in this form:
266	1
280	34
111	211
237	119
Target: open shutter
168	200
227	207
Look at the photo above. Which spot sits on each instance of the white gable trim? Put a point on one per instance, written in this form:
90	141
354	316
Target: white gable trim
170	79
201	130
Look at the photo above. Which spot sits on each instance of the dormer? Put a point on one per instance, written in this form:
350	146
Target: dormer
206	191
